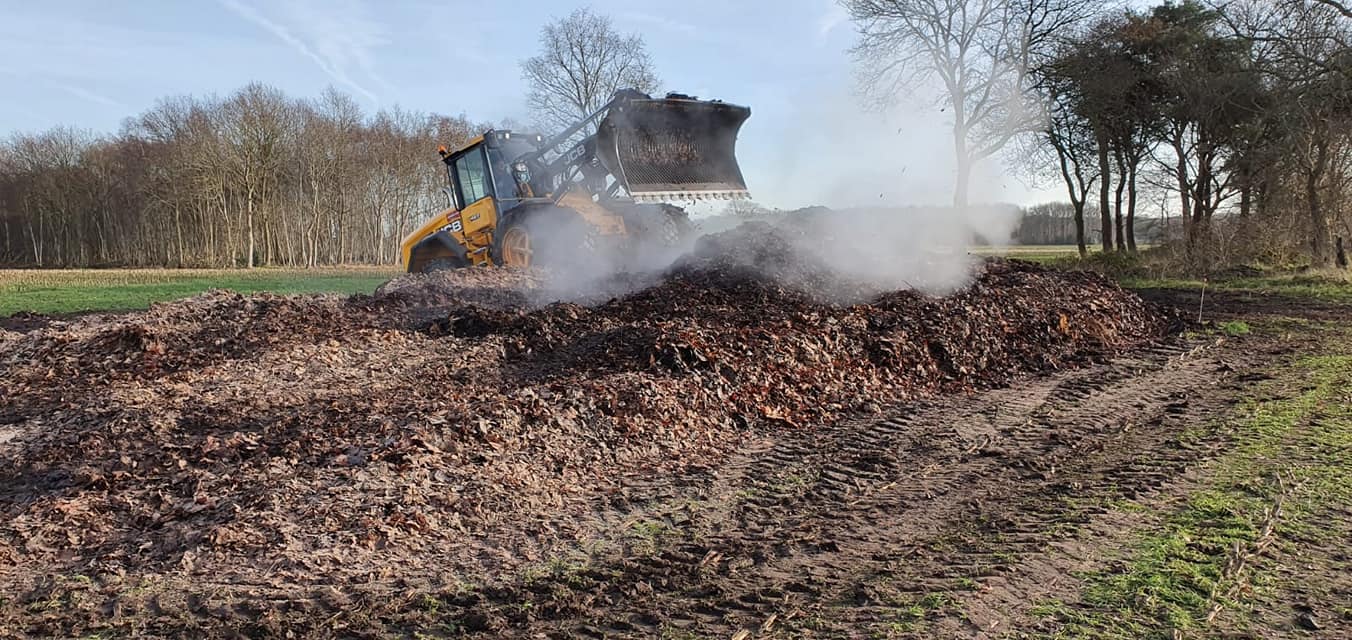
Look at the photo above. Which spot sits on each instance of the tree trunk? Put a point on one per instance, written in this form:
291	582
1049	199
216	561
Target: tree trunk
962	184
1117	201
317	221
1075	187
1202	205
1260	200
1184	188
1319	239
178	230
1105	189
964	159
1079	228
1131	206
250	224
37	244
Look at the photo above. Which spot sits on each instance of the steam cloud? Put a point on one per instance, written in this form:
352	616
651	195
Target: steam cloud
850	254
873	171
921	248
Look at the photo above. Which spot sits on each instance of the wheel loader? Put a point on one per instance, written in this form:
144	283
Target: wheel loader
598	190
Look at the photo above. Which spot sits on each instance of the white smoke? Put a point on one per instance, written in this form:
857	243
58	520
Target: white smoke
921	248
888	175
881	174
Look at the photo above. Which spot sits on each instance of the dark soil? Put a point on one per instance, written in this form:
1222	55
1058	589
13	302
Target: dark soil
1225	305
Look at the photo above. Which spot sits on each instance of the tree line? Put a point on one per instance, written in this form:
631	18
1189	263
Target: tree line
253	178
260	178
1233	116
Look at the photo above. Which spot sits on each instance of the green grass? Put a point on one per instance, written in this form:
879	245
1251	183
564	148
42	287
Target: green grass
1328	286
911	614
1043	254
69	291
1167	583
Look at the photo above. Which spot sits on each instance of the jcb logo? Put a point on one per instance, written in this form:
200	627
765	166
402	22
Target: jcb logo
455	226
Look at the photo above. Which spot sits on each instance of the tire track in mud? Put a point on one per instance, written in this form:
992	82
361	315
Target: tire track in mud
841	530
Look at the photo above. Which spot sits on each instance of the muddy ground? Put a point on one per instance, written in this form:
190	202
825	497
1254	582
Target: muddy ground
716	455
1226	305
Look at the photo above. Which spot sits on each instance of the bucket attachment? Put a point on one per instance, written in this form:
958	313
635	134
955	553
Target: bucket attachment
675	148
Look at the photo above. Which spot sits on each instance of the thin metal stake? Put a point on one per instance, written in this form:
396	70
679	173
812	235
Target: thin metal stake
1201	303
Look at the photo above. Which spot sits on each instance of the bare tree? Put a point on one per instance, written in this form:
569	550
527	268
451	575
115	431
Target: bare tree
1339	6
980	51
252	177
257	129
1050	223
582	62
1072	140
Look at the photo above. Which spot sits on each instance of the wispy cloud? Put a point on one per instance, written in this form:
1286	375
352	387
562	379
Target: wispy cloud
834	17
338	37
86	94
660	22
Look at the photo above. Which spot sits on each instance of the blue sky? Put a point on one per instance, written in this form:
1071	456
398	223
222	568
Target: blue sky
91	64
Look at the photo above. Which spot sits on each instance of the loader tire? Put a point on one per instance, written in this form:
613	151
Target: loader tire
660	225
549	238
660	233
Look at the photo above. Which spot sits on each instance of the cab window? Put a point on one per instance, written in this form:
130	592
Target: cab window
472	177
504	185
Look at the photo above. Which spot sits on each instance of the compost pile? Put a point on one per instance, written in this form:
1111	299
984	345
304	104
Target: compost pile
451	425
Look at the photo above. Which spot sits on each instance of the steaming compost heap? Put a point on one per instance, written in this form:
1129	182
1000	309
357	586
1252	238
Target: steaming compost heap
451	426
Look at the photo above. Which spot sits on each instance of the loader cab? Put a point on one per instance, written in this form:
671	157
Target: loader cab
468	174
482	189
483	169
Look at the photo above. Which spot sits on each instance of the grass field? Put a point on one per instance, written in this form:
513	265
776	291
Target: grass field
76	290
1327	286
1032	253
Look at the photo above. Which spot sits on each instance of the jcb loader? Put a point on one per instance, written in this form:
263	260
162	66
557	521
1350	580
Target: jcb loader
596	190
